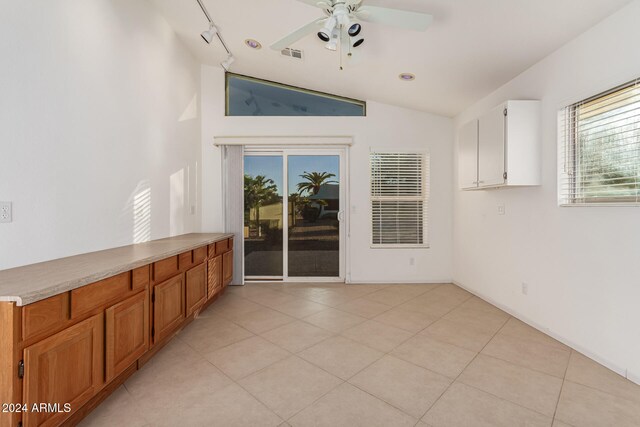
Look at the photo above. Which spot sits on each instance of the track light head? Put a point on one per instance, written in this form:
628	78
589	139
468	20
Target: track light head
358	42
226	64
207	36
354	30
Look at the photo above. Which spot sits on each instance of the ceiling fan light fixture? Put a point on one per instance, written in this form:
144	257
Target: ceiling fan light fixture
327	31
354	30
407	77
207	36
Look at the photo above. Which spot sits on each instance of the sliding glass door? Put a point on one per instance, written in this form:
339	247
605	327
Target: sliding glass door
294	226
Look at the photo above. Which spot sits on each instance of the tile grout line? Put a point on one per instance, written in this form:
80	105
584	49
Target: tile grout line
464	369
564	377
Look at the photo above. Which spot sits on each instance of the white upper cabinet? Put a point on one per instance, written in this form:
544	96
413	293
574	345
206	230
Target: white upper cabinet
507	147
468	155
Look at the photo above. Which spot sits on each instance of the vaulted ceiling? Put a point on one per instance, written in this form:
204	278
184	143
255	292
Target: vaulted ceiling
472	48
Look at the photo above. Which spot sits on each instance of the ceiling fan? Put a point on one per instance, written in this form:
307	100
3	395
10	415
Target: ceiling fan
342	22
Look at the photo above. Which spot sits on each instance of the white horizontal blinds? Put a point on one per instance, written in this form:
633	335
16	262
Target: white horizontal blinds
399	194
600	154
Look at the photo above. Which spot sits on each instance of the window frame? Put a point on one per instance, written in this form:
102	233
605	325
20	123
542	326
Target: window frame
570	149
424	198
228	75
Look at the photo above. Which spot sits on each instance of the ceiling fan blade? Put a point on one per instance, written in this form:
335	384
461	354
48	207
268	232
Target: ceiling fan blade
297	34
311	2
396	18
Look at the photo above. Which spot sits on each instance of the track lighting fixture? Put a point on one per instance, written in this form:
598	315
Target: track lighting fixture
207	36
226	64
357	42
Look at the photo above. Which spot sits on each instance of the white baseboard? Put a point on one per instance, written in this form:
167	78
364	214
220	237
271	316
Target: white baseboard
398	282
581	349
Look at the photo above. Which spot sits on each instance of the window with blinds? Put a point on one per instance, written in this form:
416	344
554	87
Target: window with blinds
600	149
399	196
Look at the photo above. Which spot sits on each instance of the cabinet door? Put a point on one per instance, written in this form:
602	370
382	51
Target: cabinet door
127	333
196	284
227	268
67	367
468	155
491	148
214	281
168	307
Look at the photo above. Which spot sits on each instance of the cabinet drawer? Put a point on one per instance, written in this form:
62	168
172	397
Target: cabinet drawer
222	246
44	316
165	268
100	293
230	245
140	278
199	255
185	260
212	250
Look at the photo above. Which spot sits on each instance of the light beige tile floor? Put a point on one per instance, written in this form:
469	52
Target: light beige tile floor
366	355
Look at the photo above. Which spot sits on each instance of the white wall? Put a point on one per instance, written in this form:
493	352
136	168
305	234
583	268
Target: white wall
582	264
384	127
99	128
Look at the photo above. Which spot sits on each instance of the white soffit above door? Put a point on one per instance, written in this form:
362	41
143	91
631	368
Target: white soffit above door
471	49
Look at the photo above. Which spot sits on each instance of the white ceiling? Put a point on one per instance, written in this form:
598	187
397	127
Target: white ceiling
472	48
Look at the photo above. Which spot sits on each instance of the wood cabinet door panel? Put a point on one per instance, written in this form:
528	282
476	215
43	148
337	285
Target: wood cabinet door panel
168	307
127	333
44	316
214	281
227	268
65	368
196	288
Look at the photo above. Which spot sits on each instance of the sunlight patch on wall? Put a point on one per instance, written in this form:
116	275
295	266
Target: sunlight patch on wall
176	203
142	213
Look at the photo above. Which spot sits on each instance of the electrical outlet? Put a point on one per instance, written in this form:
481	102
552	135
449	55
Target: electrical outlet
192	211
412	261
5	212
525	288
501	209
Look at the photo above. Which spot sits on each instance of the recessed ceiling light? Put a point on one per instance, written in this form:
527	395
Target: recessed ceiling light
407	77
253	44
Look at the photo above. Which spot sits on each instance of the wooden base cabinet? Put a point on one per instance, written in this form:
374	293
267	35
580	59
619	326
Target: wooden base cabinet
196	288
67	367
168	307
227	268
215	275
127	333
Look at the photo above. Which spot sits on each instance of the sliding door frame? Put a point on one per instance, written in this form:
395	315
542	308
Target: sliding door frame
343	217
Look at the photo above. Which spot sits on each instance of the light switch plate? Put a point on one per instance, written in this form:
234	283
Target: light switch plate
501	210
5	212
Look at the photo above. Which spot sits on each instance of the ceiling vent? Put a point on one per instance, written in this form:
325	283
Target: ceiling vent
292	53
